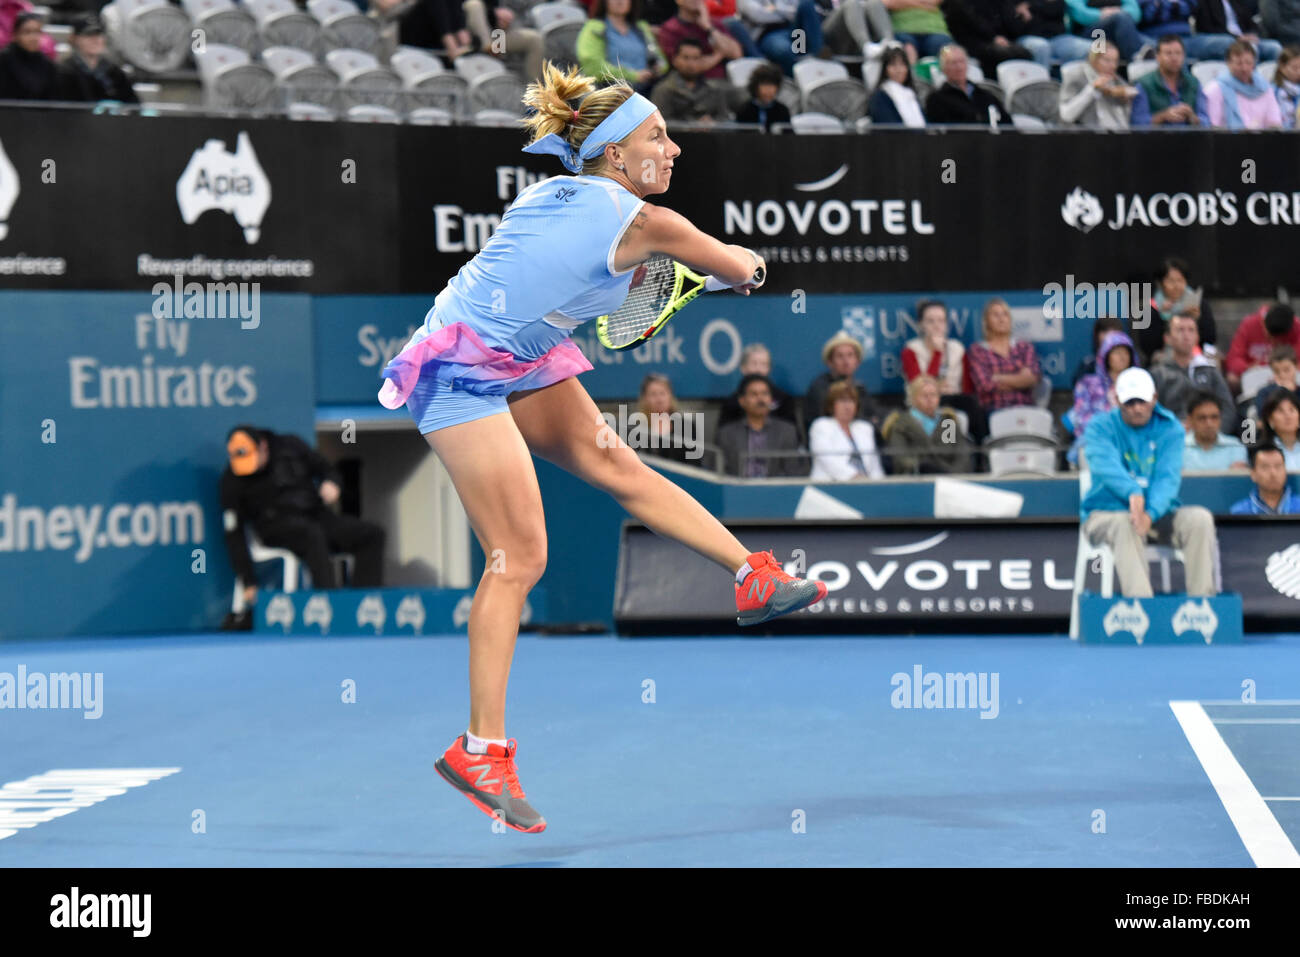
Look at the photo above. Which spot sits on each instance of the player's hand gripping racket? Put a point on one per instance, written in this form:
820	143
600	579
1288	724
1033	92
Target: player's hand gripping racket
661	288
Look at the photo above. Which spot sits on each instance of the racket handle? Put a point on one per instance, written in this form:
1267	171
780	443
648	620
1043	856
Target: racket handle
714	284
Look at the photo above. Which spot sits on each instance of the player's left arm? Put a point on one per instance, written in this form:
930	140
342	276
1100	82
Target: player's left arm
659	230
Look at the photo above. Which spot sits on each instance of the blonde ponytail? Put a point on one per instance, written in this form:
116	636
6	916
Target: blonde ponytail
559	95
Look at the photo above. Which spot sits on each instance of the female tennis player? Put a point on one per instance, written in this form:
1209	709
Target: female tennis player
491	377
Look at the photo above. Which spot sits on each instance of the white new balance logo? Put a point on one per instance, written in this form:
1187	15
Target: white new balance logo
483	771
761	590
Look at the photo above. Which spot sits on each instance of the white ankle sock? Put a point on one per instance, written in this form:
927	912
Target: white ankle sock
477	745
743	573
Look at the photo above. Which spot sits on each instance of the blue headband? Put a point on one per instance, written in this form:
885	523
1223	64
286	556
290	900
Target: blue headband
630	114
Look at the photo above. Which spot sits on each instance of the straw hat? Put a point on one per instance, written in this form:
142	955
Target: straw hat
840	338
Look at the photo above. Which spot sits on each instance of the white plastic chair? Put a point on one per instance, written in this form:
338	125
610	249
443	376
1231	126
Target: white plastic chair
497	91
1267	70
1012	460
473	65
344	26
1022	422
231	80
1028	124
1140	68
496	118
545	14
151	34
223	22
1207	71
805	123
1013	74
370	113
1254	379
362	81
430	116
281	23
293	567
811	72
739	70
301	77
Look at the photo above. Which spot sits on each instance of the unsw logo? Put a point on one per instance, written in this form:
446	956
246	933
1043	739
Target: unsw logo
1125	617
8	190
1193	617
230	182
1081	210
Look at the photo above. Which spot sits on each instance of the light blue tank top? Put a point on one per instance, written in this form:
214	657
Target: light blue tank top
548	267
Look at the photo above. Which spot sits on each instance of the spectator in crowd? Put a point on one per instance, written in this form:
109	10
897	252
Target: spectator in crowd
1179	371
726	15
745	442
11	10
659	12
1207	448
894	100
842	355
1004	371
1117	21
785	30
960	101
616	43
1281	19
1286	85
282	488
1039	27
518	40
843	446
984	28
918	25
1088	364
1095	394
1175	296
658	407
26	73
1240	99
858	28
763	108
1093	96
692	21
1271	495
934	354
755	359
1169	95
925	438
1171	18
1282	362
1135	454
87	76
1237	19
1280	416
686	94
433	24
1253	342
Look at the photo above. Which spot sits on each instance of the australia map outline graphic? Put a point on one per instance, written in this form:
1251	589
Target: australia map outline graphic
233	183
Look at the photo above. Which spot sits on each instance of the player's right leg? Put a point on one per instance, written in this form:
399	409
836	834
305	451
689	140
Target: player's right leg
493	473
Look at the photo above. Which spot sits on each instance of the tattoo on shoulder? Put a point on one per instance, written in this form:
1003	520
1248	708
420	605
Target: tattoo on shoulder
638	223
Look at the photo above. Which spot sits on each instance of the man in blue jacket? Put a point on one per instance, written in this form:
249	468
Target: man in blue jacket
1135	453
1270	495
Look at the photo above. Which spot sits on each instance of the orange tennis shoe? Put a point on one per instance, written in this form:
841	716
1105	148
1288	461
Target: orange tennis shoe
491	782
769	592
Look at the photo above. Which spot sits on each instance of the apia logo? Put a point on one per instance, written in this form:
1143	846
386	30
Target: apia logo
371	612
410	611
1283	571
1125	617
8	190
230	182
1081	210
280	611
318	611
1193	617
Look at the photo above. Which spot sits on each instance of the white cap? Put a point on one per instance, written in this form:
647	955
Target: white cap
1135	383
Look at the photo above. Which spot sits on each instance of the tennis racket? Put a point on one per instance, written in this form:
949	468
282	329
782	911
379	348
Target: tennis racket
661	287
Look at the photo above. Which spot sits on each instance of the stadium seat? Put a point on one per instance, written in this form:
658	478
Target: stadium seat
1140	68
739	70
560	41
428	83
153	35
811	72
816	123
1028	124
293	568
789	95
472	65
994	90
430	116
1207	71
497	91
370	113
309	111
1013	74
1040	98
232	81
863	125
301	77
1071	70
344	26
844	99
544	15
223	22
362	81
1021	423
1266	70
496	118
1254	379
1022	461
282	23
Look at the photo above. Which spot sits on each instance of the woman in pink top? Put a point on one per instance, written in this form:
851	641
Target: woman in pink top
933	354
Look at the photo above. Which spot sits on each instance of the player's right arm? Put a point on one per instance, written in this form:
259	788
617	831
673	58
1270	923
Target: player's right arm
659	230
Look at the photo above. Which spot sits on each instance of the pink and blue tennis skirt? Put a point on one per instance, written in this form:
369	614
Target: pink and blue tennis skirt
451	376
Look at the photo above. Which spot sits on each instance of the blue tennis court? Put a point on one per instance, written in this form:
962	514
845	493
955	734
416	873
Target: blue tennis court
671	752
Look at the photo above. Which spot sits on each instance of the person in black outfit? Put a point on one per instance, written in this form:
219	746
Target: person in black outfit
755	359
958	100
984	27
25	72
763	106
270	484
87	76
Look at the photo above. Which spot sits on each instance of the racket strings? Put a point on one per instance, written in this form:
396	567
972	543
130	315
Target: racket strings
645	302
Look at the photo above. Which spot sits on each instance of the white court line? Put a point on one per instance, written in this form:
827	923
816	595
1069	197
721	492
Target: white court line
1282	799
1264	838
1256	720
1253	704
